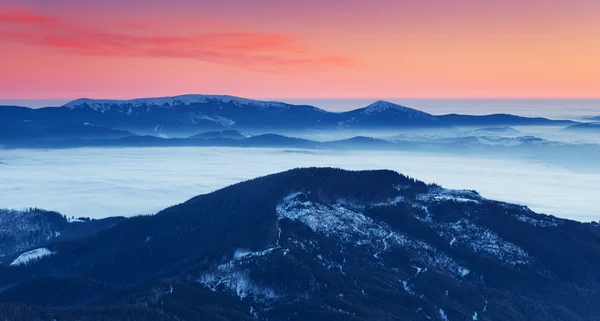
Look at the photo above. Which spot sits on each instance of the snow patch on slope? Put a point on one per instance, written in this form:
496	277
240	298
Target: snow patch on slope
351	226
31	256
194	118
337	220
443	315
237	282
465	232
537	222
482	240
442	194
233	276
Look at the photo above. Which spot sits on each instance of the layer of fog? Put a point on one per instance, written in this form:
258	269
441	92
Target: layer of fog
131	181
551	133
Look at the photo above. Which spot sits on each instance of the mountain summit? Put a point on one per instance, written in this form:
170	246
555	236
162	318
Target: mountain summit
321	244
385	106
383	114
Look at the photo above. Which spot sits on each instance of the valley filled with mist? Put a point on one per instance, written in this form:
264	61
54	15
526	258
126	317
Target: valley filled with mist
101	182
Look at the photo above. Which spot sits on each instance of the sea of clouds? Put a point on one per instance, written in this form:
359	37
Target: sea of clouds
100	182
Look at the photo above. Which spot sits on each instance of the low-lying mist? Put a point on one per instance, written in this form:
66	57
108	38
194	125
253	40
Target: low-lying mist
553	133
100	182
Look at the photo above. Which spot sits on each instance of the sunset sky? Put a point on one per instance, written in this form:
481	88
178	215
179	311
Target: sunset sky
63	49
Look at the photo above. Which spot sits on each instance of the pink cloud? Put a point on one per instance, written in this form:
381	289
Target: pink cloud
270	52
20	15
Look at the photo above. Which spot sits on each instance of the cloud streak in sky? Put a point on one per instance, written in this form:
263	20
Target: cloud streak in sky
19	15
64	49
268	52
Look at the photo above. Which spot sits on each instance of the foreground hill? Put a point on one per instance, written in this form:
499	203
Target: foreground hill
187	115
319	244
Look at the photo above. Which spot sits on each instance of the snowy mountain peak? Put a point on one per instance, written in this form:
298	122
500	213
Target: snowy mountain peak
104	105
382	105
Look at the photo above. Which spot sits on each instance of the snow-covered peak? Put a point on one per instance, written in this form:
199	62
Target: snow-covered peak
382	105
104	105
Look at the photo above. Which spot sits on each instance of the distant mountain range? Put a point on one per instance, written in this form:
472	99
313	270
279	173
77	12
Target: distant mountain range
498	131
234	138
226	134
313	244
191	114
28	132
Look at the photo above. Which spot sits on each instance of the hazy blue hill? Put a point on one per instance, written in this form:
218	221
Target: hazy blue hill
84	130
592	128
15	113
499	120
277	140
229	134
19	131
26	132
362	142
504	130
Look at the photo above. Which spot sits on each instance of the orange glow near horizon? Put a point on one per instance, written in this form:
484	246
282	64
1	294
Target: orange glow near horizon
319	49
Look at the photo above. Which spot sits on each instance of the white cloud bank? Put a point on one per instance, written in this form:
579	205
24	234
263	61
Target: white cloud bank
112	181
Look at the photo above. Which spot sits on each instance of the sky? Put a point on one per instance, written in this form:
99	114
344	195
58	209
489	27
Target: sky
67	49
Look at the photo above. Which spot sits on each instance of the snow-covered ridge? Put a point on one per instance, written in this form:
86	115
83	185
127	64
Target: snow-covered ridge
195	117
31	256
349	225
538	222
381	105
442	194
465	231
104	105
481	240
